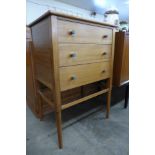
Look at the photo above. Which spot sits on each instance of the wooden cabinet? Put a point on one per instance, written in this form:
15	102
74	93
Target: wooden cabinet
121	59
31	87
30	84
70	56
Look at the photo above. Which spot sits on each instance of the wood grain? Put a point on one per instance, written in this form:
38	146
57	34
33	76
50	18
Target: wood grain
83	53
41	58
121	59
125	61
30	79
109	81
31	93
70	95
47	99
56	80
83	99
83	33
56	37
84	74
42	52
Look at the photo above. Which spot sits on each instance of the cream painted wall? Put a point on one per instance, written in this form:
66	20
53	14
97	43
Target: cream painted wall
36	8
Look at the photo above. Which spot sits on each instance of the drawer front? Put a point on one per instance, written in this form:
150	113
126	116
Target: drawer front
75	76
71	32
73	54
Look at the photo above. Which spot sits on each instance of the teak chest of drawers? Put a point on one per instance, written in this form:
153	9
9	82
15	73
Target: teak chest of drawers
69	55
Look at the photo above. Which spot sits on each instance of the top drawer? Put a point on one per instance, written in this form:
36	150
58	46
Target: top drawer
71	32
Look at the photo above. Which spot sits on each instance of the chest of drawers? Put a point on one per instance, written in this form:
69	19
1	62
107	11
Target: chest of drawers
70	54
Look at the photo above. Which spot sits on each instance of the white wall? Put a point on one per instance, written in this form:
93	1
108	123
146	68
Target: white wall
36	8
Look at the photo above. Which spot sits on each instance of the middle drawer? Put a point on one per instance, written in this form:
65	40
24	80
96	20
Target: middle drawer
73	54
75	76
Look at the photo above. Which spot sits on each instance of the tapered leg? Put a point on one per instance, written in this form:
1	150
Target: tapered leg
126	96
108	96
108	101
59	128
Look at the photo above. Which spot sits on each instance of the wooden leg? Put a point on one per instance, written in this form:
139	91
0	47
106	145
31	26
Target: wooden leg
108	101
108	97
59	128
126	96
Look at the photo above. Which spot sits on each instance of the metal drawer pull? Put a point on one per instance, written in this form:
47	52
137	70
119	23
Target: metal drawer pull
73	77
73	55
104	53
105	36
103	71
72	33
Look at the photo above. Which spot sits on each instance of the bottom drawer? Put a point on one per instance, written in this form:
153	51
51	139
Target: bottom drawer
75	76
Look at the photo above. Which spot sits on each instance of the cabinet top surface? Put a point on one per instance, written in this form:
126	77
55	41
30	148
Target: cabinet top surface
49	13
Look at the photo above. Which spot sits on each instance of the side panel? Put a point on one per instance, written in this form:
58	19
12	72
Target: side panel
30	85
119	42
125	61
121	59
30	82
42	51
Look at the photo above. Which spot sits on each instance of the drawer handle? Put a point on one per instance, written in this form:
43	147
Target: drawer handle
104	71
73	55
73	77
72	33
105	36
104	53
